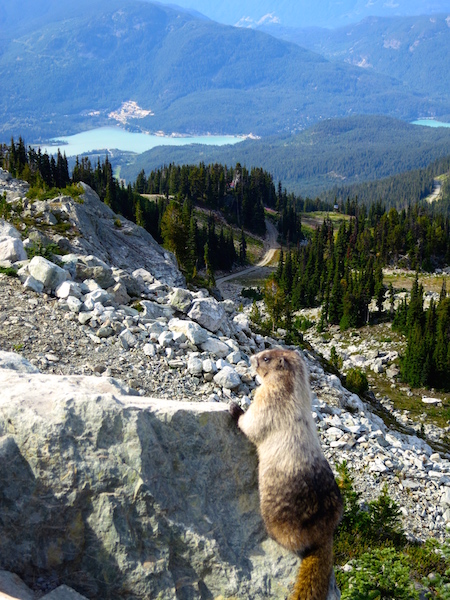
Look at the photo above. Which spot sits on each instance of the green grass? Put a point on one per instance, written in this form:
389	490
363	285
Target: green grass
74	190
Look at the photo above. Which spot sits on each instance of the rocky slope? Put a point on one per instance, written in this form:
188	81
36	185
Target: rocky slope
122	475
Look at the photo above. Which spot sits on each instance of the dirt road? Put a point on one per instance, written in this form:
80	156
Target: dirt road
270	246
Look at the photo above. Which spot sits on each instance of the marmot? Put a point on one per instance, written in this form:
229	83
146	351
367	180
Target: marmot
300	501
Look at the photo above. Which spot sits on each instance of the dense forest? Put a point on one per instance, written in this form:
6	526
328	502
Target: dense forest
327	155
400	190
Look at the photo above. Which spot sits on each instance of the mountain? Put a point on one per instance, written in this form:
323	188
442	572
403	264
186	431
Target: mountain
303	13
332	152
414	50
192	76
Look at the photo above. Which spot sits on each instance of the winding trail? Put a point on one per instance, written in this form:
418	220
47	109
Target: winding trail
271	246
436	191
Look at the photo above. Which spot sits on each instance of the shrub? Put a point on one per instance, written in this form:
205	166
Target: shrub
9	271
252	293
357	381
380	575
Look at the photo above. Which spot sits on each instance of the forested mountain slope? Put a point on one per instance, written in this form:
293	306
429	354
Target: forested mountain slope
193	75
330	153
414	50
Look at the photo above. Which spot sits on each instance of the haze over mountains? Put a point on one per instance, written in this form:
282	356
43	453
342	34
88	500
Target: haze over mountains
303	13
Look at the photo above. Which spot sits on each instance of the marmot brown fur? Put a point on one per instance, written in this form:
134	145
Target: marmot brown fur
300	501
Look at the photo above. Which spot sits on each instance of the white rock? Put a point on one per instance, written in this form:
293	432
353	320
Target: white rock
12	250
377	466
149	350
209	366
127	339
242	322
165	339
445	499
75	305
215	347
208	313
68	288
427	400
195	365
98	295
193	331
84	317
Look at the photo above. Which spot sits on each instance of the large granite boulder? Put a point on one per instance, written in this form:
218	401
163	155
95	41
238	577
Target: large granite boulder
129	497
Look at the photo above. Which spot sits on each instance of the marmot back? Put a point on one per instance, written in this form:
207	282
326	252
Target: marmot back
300	501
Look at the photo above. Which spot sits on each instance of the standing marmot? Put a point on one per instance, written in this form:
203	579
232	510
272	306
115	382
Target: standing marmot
300	501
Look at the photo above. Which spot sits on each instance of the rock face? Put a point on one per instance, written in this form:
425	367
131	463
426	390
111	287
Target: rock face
127	497
123	246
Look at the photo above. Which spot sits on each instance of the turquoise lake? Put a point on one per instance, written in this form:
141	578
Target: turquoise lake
430	123
115	138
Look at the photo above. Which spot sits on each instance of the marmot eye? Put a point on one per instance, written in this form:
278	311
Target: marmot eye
266	359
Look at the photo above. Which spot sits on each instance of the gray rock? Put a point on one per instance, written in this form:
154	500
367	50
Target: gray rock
227	378
129	245
153	310
33	284
127	339
195	365
119	293
103	481
49	274
15	362
134	286
14	587
209	366
181	299
208	313
97	295
63	592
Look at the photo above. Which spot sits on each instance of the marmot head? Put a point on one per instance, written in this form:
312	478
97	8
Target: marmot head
279	364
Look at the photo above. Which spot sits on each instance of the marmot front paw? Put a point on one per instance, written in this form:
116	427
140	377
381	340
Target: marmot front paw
235	412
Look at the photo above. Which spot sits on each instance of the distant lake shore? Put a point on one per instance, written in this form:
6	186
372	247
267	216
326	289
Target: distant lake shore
106	138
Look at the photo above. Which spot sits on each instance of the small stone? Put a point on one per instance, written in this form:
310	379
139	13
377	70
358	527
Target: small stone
149	350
